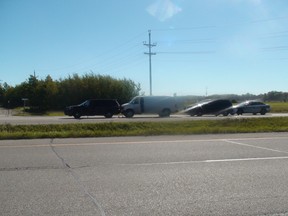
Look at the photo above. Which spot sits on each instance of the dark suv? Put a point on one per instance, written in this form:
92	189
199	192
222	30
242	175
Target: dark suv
105	107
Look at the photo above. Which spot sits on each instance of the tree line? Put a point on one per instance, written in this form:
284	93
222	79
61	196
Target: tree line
272	96
49	94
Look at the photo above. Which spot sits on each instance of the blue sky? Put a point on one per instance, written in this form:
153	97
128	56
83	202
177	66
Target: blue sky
213	46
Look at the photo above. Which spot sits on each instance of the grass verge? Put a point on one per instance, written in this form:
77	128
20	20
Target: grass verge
279	107
144	128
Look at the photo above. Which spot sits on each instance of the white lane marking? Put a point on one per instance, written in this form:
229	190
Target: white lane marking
142	142
203	161
247	159
253	146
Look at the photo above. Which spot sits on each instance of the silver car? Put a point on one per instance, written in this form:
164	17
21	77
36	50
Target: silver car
252	107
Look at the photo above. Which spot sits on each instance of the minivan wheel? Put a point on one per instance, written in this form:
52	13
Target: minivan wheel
129	113
165	113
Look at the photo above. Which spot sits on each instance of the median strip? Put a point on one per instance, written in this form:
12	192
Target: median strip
113	129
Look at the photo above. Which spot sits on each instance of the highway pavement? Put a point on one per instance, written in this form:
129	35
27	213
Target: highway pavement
236	174
24	120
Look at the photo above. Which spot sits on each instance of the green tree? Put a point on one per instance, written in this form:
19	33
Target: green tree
49	94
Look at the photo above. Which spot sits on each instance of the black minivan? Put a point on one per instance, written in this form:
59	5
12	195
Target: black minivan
92	107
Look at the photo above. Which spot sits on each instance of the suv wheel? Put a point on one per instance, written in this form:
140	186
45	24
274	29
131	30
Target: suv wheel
108	115
77	115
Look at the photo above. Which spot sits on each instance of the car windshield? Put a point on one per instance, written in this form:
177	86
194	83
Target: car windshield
201	102
205	101
85	103
134	101
243	103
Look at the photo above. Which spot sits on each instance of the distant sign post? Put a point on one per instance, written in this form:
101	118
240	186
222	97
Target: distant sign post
24	102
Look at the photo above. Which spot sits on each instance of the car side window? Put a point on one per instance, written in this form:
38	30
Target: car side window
255	103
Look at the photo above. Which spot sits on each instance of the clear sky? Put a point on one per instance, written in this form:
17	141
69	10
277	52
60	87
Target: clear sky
213	46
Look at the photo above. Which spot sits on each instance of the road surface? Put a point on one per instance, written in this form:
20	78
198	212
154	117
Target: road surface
22	120
239	174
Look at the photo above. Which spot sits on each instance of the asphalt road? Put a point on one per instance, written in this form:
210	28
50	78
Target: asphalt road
22	120
239	174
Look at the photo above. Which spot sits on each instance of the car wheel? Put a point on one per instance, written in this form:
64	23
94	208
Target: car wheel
239	112
263	112
191	114
200	113
108	115
77	115
128	113
165	113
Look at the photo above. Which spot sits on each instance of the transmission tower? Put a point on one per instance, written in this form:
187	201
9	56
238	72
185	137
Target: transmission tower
150	53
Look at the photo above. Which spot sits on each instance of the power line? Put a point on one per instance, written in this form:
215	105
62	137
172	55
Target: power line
196	52
87	63
185	28
193	41
275	48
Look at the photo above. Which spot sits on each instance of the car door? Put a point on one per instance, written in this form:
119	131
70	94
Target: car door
254	107
211	107
248	108
84	109
103	106
257	107
137	106
90	110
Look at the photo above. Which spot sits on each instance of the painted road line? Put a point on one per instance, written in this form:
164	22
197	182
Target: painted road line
232	140
253	146
203	161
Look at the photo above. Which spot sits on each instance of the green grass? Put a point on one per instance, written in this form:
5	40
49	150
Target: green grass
21	112
279	107
144	128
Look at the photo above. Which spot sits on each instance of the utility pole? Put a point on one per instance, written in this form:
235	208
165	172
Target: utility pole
149	45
